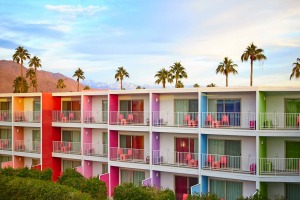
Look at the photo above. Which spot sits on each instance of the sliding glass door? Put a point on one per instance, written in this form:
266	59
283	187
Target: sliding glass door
134	107
228	190
135	177
231	108
184	107
292	110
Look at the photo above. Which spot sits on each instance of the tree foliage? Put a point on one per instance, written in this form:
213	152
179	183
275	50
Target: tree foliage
20	85
121	73
178	72
80	75
35	62
226	67
296	69
163	76
207	196
60	84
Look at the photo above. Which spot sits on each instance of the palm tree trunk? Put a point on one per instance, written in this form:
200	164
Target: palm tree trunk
22	86
36	87
121	84
251	72
226	80
78	85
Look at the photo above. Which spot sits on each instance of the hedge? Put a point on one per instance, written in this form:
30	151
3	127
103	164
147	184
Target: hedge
25	172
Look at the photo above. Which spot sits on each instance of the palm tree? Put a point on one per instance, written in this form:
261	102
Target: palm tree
86	87
163	76
31	75
60	84
196	85
254	54
120	74
226	67
35	62
17	85
211	85
180	84
178	72
19	56
80	75
296	69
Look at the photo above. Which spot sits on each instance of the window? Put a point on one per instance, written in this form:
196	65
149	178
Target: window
134	142
185	107
292	108
104	168
71	136
36	140
5	159
292	190
135	107
70	164
226	147
105	142
185	146
104	110
5	134
226	189
135	177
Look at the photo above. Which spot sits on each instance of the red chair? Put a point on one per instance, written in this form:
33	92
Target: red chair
223	161
210	160
63	118
298	121
187	119
71	116
130	118
224	120
122	120
208	120
188	157
128	155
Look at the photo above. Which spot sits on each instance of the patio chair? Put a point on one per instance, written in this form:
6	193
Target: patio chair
225	120
122	120
208	120
71	116
223	161
130	118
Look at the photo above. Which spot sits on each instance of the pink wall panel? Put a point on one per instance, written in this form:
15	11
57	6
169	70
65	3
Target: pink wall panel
18	162
114	179
105	178
88	169
7	164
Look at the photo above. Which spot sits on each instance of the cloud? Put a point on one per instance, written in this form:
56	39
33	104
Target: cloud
76	9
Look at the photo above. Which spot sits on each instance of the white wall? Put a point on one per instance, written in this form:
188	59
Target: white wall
275	189
276	146
275	101
167	180
28	133
27	162
97	136
249	187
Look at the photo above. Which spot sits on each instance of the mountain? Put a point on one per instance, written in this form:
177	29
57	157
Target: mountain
9	70
116	85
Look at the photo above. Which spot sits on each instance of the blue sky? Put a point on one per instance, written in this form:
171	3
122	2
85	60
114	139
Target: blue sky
145	36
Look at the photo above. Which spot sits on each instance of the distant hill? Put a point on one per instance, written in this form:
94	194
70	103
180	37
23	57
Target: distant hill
9	70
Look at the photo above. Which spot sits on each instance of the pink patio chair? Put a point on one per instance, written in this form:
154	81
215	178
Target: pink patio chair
224	120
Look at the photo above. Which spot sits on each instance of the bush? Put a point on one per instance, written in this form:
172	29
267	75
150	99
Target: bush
128	191
92	186
17	188
257	196
207	196
25	172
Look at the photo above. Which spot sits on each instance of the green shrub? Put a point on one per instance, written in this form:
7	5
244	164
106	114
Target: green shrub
28	173
257	196
128	191
95	187
207	196
17	188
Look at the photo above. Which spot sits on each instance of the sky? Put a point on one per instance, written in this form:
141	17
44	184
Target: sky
146	36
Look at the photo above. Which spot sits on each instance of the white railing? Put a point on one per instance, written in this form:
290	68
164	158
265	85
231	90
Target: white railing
129	155
99	150
246	120
279	166
5	116
27	116
5	144
66	116
228	163
95	117
177	119
175	159
27	146
131	118
279	121
67	147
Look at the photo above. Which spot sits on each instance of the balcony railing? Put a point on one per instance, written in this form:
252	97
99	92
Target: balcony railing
132	118
27	146
175	159
241	120
67	147
129	155
27	116
66	116
99	150
226	163
175	119
95	117
5	116
5	144
279	166
279	121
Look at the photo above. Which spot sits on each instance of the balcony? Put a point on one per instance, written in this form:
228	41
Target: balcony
27	146
67	147
66	116
27	116
125	118
98	150
226	163
229	120
279	121
5	144
95	117
175	119
129	155
175	159
5	116
280	166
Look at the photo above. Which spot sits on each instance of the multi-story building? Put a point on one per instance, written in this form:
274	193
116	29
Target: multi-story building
228	141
